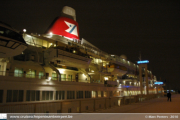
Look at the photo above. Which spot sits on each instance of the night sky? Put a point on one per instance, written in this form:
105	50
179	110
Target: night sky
149	27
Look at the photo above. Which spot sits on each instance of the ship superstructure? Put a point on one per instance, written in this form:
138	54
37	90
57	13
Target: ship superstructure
58	72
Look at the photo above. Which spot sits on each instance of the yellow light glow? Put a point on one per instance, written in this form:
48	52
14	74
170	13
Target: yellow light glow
74	51
84	75
106	78
61	70
49	79
28	36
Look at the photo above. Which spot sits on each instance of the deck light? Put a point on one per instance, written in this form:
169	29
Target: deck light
61	70
24	30
49	79
106	78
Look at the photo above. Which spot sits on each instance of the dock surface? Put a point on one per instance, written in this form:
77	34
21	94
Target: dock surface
157	105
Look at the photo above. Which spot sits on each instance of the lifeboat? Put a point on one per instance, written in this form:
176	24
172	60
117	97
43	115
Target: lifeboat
11	41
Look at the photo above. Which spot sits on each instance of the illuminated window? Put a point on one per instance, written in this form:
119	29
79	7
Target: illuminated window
44	43
105	94
54	76
69	77
99	94
63	77
41	74
93	94
31	74
18	72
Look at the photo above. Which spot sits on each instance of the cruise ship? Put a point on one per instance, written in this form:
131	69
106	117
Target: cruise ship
57	72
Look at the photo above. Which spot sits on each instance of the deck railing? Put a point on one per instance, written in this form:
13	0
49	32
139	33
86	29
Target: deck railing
24	75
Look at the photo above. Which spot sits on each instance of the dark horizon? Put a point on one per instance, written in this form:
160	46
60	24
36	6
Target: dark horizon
151	28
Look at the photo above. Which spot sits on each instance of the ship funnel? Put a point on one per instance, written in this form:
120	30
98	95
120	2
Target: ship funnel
69	12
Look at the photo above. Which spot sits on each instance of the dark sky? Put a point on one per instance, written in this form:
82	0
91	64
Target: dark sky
151	27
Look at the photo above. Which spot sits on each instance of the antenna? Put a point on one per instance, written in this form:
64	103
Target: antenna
140	55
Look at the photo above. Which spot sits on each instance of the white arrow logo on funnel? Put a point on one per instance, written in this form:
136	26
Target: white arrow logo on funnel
72	28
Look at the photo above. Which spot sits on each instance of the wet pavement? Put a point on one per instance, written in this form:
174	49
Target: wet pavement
157	105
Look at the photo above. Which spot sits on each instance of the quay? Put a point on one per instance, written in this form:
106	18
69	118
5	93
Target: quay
157	105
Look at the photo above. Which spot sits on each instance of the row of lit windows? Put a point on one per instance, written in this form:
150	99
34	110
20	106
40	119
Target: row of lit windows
18	72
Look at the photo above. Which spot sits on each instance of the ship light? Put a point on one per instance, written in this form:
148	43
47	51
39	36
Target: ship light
84	75
28	36
120	86
106	78
24	30
61	70
49	79
74	51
